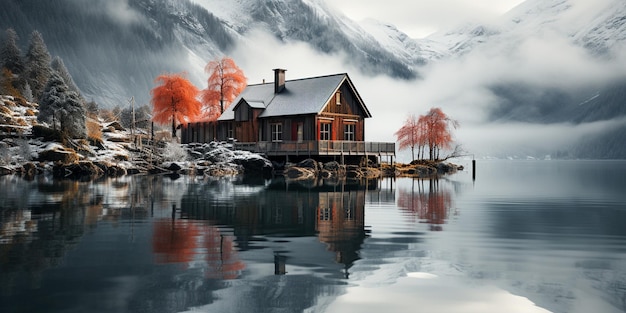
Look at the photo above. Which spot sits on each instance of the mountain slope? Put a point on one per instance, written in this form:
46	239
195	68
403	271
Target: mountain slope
559	39
115	48
313	22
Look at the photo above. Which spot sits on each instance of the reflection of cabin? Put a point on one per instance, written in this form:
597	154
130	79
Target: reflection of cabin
310	117
333	214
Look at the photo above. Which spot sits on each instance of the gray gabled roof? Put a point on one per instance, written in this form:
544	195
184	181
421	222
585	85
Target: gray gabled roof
300	96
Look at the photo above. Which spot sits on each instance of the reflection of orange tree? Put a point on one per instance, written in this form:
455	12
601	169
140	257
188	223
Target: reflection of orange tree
175	241
181	241
431	205
221	255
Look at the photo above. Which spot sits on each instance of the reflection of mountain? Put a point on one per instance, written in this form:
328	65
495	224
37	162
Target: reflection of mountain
430	203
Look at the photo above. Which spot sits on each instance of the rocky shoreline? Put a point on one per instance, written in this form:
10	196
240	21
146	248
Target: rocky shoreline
211	160
29	149
219	161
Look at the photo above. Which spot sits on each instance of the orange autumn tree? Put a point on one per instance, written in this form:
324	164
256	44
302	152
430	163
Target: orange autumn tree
409	135
225	83
431	130
438	135
174	100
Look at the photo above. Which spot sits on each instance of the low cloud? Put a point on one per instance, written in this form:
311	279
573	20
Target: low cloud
461	86
421	18
521	140
260	52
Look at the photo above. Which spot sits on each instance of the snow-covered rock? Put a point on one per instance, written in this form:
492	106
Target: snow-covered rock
224	161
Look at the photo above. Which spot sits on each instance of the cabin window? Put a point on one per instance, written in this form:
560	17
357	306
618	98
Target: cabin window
277	132
325	214
348	132
325	131
338	98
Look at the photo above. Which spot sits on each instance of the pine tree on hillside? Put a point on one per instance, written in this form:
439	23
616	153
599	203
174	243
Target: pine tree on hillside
12	59
73	117
37	64
28	93
62	107
59	67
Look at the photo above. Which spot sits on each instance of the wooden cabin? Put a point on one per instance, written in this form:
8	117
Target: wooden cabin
311	117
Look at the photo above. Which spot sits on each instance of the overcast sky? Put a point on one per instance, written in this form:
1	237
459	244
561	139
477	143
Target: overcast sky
423	17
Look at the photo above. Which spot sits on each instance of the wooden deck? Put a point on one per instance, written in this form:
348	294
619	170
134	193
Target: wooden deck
319	148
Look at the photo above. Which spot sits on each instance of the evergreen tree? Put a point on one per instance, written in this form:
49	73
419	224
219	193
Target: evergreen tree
59	67
50	100
12	58
37	64
60	106
72	117
28	93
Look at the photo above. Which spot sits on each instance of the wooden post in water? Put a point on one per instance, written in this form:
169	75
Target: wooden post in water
473	169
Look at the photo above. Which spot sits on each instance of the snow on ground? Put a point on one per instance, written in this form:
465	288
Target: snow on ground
117	148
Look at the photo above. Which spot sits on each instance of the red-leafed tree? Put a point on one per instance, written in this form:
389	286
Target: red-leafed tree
174	100
410	135
438	134
431	130
225	83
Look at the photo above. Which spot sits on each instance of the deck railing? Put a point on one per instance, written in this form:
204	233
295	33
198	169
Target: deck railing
312	148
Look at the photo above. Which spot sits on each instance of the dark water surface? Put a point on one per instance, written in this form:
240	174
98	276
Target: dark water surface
526	236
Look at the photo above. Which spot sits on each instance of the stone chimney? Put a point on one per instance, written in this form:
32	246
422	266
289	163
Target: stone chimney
279	80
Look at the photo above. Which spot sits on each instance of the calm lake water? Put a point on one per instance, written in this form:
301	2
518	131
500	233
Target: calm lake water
526	236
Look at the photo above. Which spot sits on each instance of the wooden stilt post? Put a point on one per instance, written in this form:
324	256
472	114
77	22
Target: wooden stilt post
473	168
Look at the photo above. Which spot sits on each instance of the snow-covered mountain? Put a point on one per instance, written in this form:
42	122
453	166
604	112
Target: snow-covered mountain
321	27
115	48
549	62
598	26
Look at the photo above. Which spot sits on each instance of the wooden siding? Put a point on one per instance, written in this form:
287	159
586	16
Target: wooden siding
249	128
198	132
289	123
349	103
348	111
247	123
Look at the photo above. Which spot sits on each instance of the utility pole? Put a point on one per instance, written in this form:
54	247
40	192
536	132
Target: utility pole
132	122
